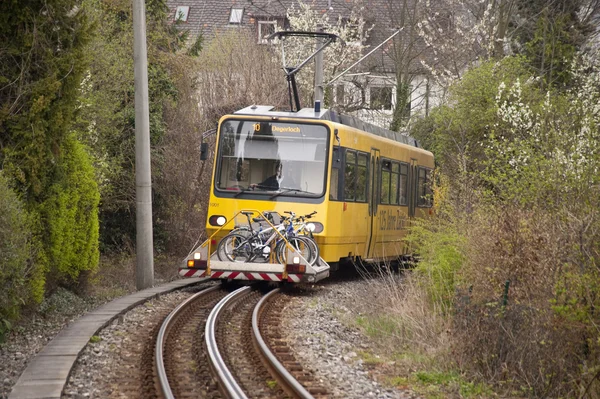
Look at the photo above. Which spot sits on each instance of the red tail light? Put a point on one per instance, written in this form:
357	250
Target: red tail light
296	268
196	264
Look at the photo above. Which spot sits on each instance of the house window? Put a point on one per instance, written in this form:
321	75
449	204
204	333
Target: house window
235	17
182	13
381	97
265	28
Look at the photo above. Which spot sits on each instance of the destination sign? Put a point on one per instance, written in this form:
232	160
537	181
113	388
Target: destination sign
286	129
278	129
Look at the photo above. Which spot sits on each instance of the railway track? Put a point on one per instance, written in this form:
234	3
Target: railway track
177	366
277	356
221	344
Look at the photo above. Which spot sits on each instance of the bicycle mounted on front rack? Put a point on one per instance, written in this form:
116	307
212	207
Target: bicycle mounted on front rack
260	245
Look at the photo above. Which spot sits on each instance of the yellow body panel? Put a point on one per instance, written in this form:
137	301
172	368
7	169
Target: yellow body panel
349	229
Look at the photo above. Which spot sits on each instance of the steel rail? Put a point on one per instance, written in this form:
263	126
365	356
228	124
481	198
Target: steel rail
287	381
161	338
230	386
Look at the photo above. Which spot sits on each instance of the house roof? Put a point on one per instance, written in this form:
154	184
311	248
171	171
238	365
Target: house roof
208	17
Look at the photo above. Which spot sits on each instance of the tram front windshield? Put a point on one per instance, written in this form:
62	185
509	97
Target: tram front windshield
272	157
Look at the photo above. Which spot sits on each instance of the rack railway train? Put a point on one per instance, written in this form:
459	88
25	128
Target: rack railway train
365	183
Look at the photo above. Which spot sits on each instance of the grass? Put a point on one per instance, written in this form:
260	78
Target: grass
439	384
115	278
95	339
378	326
397	370
370	358
272	384
411	349
116	274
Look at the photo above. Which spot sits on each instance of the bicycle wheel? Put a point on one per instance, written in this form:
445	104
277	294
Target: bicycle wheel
262	252
235	247
315	249
300	244
243	230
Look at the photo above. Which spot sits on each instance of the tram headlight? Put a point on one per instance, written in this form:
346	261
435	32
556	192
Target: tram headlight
314	227
217	220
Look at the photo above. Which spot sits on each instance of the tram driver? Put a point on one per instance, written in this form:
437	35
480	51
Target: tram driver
273	182
279	180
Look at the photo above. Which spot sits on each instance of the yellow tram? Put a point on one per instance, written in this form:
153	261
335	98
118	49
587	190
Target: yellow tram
366	183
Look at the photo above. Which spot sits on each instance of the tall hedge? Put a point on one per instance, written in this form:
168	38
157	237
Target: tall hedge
43	58
42	61
71	214
14	251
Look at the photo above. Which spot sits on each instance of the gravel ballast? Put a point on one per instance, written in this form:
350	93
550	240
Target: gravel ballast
321	340
36	331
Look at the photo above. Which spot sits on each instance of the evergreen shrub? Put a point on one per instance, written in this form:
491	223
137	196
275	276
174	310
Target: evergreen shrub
14	255
71	214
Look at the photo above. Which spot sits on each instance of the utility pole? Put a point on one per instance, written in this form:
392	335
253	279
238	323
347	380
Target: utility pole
144	271
319	94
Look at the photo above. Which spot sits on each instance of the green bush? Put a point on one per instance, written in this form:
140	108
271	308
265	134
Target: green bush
441	245
441	251
520	204
71	216
45	59
457	133
14	253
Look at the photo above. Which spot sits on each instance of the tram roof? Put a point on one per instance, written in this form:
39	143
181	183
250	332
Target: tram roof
329	115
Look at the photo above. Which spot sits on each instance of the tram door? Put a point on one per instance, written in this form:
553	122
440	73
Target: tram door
373	222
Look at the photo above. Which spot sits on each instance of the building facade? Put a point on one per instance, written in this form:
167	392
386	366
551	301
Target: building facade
369	90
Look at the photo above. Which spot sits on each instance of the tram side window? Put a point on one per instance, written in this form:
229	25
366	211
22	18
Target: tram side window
386	168
350	176
394	183
334	183
424	188
403	184
355	176
333	186
390	182
361	187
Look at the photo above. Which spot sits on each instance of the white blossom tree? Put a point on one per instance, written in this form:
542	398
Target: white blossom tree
464	32
353	31
557	139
